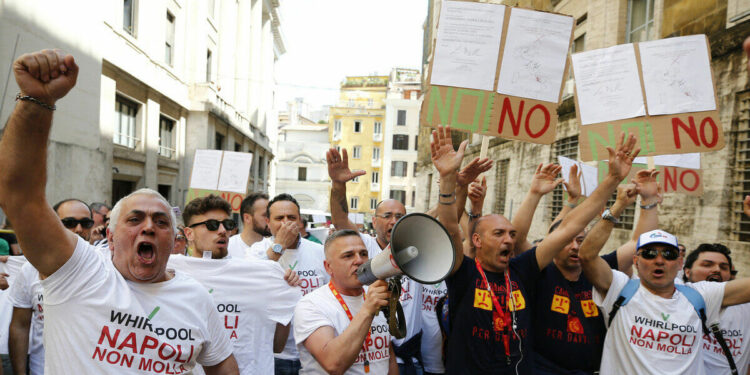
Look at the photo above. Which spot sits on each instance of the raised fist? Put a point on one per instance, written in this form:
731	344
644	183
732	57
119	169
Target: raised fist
46	75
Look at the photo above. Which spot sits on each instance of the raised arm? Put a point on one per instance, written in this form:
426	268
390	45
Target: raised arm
338	170
477	192
596	269
620	162
45	76
447	161
466	176
544	180
650	192
573	188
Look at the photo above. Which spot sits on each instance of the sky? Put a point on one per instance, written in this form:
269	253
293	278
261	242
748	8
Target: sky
326	40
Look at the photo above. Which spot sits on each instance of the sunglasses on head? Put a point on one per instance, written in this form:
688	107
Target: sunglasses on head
668	253
213	224
71	222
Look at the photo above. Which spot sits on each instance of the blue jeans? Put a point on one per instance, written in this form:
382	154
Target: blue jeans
410	370
286	366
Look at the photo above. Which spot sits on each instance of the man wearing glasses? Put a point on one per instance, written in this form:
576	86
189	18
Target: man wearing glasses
76	216
237	285
658	330
100	212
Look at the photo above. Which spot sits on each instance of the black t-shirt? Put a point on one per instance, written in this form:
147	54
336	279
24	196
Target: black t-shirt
9	237
473	346
569	329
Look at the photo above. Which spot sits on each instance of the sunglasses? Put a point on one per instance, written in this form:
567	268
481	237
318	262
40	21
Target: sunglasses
669	253
212	224
71	222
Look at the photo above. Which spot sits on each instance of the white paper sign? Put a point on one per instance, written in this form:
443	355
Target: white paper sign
589	175
677	75
690	161
607	84
206	166
235	171
535	53
467	46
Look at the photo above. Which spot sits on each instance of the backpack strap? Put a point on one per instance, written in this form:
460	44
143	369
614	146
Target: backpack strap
626	293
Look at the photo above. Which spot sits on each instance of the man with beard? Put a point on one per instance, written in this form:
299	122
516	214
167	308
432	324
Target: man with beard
254	225
92	303
712	262
237	285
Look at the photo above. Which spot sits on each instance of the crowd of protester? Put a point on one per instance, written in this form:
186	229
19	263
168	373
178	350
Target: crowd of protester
144	287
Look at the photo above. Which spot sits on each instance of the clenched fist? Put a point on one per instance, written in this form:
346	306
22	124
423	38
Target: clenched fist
46	75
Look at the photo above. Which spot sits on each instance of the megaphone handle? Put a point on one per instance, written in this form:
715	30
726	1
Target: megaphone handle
393	311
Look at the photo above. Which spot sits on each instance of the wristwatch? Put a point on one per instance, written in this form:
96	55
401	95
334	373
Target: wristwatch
607	215
277	248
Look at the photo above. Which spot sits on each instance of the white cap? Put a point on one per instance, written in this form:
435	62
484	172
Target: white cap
656	236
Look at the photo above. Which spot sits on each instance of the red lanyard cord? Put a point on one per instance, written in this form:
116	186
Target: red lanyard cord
349	315
501	319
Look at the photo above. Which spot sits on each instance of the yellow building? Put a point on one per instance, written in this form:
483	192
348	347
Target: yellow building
358	127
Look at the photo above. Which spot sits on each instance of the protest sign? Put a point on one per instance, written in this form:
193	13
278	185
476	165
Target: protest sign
672	179
222	173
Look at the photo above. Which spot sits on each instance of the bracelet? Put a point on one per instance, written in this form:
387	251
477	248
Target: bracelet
453	194
571	205
35	100
649	206
473	216
447	203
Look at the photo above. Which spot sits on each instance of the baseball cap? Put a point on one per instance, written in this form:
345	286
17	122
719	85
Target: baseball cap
656	236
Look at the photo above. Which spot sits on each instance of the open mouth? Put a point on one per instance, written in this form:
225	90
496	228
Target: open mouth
146	252
222	242
714	277
575	258
659	272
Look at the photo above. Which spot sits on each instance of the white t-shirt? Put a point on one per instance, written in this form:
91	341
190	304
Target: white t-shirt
432	337
236	247
307	261
26	293
735	325
411	302
373	248
655	335
12	267
237	286
118	326
320	308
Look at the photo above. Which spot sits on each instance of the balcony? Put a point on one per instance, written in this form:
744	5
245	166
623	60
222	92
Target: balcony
375	187
377	137
376	163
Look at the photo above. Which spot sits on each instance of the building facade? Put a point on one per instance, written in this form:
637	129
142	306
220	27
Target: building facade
401	136
158	81
356	124
714	217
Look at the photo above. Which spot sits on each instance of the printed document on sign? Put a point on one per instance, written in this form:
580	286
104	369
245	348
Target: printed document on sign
206	167
468	44
535	53
589	175
690	161
235	170
607	84
677	75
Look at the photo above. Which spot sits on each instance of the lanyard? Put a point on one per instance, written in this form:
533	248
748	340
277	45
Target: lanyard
501	320
349	315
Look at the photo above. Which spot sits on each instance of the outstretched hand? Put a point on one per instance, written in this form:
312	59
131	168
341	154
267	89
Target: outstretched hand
573	187
648	188
46	75
472	170
338	167
621	158
545	178
477	192
444	157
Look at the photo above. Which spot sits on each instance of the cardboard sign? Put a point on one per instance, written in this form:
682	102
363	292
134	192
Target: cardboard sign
671	131
526	91
234	199
222	173
672	179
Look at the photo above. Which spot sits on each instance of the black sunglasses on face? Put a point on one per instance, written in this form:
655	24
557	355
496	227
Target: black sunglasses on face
213	224
71	222
669	253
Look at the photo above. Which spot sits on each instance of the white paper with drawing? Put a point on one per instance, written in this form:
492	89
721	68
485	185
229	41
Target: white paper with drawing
468	43
235	170
535	53
589	175
206	165
677	75
607	84
690	161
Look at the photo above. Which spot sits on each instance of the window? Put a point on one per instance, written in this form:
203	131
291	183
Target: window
398	169
128	16
351	102
169	41
369	102
166	137
626	217
373	203
261	171
337	127
357	152
416	142
165	191
219	142
414	173
501	184
378	128
401	117
741	170
399	195
208	66
302	174
126	111
375	177
237	147
355	179
567	147
579	45
640	21
121	188
400	142
413	195
354	203
358	126
375	154
338	148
